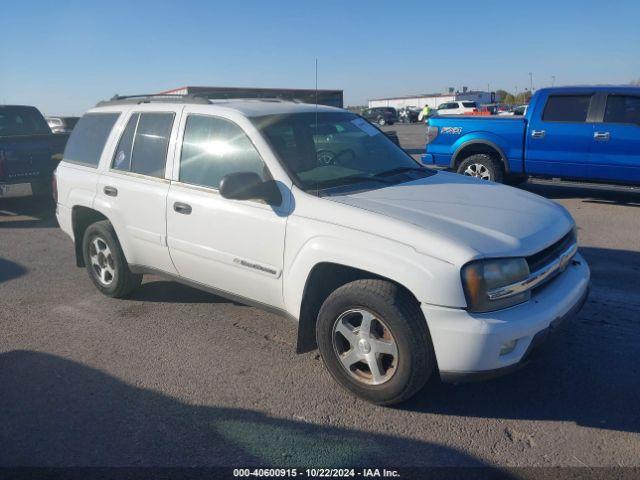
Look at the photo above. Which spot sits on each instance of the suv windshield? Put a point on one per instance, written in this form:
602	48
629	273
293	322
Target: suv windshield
326	150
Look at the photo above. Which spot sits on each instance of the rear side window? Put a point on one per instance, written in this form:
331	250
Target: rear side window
122	157
567	108
143	146
89	137
622	109
214	147
469	104
149	155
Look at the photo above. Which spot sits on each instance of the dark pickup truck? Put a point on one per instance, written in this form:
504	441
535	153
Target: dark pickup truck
29	152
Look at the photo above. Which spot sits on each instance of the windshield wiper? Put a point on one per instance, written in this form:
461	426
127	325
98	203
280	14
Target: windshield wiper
338	182
395	171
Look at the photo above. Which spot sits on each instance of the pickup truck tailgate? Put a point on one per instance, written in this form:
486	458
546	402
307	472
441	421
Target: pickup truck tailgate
29	157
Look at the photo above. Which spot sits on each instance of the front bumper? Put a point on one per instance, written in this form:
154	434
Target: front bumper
427	159
435	160
468	345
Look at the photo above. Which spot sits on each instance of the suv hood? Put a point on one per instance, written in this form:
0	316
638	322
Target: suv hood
491	219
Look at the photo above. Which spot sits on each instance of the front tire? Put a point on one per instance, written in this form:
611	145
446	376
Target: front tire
481	166
375	342
105	262
382	122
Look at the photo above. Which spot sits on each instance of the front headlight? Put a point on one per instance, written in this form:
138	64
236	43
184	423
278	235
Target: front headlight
480	276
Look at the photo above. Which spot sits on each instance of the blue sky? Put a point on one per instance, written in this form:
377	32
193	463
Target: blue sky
64	56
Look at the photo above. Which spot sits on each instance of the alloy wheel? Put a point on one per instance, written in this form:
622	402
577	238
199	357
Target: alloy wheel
102	261
365	346
478	170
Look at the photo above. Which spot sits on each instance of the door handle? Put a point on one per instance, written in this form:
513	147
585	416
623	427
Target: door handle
602	136
111	191
538	133
182	208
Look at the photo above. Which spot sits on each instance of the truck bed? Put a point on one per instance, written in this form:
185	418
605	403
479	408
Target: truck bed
505	132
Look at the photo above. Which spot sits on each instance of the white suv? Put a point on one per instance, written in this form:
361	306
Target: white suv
394	271
457	108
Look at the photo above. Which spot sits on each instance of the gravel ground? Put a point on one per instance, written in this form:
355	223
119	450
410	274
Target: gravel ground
174	376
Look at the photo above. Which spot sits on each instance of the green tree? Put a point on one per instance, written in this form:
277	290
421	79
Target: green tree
509	99
501	96
523	97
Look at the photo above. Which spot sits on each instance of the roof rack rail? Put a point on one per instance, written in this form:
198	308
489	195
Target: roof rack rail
149	98
249	99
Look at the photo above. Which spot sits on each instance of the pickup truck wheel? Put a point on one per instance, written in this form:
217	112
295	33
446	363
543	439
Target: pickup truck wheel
374	341
105	261
481	166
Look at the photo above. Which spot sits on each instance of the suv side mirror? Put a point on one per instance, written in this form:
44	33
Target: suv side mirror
249	186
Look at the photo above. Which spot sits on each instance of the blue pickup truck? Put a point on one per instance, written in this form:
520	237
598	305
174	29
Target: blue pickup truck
583	133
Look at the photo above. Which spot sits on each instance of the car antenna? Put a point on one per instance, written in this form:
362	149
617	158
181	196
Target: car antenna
317	184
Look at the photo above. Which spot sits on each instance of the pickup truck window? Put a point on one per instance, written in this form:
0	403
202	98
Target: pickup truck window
15	120
566	108
331	149
212	148
89	137
622	109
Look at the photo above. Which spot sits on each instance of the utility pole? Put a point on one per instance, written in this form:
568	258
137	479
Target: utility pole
531	82
553	80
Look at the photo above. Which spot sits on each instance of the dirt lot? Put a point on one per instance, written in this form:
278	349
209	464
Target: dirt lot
174	376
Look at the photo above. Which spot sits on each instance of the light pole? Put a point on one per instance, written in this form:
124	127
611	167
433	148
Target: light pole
553	80
531	82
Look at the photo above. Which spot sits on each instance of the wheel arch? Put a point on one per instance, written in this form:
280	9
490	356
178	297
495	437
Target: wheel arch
323	279
476	146
81	218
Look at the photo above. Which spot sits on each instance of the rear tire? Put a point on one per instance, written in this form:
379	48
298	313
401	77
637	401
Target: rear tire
375	342
105	262
481	166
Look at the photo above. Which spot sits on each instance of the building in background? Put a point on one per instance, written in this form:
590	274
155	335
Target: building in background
333	98
434	99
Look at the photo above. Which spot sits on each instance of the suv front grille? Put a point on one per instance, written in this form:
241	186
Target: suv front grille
543	258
